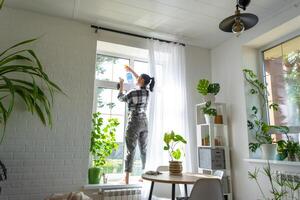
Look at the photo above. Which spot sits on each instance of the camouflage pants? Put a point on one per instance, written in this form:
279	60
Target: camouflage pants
136	133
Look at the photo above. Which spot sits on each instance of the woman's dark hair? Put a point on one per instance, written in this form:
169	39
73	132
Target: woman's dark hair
148	81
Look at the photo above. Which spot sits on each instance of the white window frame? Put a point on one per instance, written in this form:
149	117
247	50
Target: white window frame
113	84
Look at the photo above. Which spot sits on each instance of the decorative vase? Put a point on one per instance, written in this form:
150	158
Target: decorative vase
209	97
269	151
209	119
175	168
94	175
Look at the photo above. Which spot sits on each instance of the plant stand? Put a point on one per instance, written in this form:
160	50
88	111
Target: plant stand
213	146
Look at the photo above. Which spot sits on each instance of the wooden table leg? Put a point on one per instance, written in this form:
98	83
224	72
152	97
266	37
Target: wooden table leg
151	190
186	190
173	191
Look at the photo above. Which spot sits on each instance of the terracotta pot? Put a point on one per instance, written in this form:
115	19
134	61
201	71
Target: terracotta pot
219	119
175	168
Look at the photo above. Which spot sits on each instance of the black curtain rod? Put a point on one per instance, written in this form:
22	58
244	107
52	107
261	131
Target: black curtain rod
132	34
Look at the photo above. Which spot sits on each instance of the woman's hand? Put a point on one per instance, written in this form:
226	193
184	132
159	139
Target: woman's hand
127	68
121	82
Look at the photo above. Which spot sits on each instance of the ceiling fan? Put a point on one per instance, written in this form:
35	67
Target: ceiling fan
239	22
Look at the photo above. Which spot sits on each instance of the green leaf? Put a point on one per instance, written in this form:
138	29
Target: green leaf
176	154
1	3
203	86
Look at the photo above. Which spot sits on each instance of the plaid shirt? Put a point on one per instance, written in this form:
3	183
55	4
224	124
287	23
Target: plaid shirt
137	99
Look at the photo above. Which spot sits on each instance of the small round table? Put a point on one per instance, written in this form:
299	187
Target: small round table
185	178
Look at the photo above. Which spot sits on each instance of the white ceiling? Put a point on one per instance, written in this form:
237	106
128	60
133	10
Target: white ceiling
191	21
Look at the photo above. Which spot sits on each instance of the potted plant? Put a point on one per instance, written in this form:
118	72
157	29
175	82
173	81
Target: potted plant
257	125
172	141
103	143
288	149
208	90
209	113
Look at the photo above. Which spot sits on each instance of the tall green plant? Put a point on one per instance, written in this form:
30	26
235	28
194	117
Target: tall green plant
279	185
103	139
172	140
257	120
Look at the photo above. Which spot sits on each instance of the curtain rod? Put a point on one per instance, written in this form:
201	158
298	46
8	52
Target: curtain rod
132	34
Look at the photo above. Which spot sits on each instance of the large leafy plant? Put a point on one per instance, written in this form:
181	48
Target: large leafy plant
204	87
257	120
103	139
172	142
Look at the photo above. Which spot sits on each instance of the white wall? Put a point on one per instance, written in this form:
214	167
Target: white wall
43	161
228	60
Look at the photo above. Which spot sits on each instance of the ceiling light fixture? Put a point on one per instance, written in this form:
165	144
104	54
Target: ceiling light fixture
239	22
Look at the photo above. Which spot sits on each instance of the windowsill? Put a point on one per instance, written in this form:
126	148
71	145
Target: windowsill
273	162
116	184
111	186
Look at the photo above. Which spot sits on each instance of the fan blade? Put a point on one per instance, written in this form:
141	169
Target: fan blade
249	20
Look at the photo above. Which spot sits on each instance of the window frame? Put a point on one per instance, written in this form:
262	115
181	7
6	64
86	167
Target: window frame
262	71
109	84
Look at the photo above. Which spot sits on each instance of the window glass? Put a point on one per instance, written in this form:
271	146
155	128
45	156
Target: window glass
110	68
282	75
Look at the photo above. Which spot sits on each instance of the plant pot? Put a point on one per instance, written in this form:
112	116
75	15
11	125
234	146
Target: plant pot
94	175
209	119
175	168
291	157
269	151
209	97
219	119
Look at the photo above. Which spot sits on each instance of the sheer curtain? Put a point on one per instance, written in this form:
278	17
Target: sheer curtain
168	104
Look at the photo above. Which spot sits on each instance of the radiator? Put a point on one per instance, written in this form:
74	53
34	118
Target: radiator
121	194
293	179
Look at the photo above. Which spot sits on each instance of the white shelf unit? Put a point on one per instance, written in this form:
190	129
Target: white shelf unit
214	136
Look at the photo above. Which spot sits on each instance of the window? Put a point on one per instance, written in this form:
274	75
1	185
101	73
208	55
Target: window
109	67
282	76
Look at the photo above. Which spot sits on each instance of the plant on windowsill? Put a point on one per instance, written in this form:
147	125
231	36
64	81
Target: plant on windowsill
288	149
208	90
209	113
22	77
257	120
172	145
103	143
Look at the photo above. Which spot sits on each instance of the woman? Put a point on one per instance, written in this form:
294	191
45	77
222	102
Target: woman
137	127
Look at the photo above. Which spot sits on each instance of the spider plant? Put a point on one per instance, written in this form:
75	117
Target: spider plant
35	89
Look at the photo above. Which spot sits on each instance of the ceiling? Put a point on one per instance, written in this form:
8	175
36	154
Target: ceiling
191	21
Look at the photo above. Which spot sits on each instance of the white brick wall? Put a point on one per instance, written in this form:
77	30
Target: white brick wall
41	161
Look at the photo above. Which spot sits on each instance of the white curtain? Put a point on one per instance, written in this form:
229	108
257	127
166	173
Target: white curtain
168	104
168	109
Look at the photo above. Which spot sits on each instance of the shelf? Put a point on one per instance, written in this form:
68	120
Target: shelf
216	125
273	162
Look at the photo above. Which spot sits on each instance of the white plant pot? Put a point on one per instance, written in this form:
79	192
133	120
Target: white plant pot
268	151
209	97
209	119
